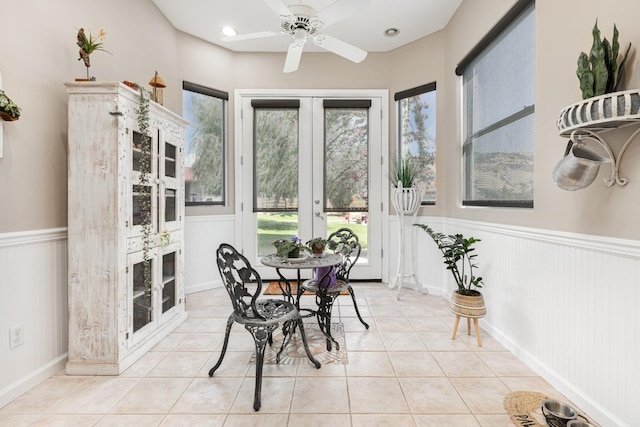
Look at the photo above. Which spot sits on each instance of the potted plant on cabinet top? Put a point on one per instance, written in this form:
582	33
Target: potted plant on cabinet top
9	110
405	197
457	251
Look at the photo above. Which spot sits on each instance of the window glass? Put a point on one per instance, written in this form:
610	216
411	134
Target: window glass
205	141
499	118
417	136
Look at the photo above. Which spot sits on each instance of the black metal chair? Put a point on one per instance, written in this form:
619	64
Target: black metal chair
259	316
345	243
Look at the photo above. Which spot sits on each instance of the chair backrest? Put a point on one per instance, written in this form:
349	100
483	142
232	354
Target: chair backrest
345	242
236	272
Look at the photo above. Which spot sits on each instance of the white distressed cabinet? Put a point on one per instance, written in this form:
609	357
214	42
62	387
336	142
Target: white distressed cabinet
114	316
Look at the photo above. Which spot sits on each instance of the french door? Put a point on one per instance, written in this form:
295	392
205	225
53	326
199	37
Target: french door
309	164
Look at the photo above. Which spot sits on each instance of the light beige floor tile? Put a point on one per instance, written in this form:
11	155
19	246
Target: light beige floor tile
429	324
130	420
353	324
17	420
533	384
415	364
505	364
234	364
496	420
364	341
170	342
276	396
145	364
96	396
319	420
389	324
482	395
187	420
191	325
46	395
258	420
415	311
441	341
369	364
208	396
326	370
382	420
449	420
180	364
394	311
152	396
462	364
432	396
216	324
66	421
488	342
402	341
376	395
201	341
313	394
277	370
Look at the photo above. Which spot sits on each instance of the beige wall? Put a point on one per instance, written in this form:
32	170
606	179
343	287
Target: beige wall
42	55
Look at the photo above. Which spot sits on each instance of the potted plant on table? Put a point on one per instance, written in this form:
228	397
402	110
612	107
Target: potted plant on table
290	248
9	110
317	245
459	258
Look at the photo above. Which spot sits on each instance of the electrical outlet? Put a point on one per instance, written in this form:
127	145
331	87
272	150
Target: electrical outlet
16	336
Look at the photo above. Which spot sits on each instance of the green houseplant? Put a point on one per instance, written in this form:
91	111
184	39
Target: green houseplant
9	110
405	171
599	72
317	245
290	248
459	258
88	45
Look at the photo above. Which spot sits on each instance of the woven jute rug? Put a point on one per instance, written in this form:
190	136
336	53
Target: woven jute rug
294	353
274	289
525	408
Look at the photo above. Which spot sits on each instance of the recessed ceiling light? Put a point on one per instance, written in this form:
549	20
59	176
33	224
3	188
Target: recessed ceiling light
391	32
229	31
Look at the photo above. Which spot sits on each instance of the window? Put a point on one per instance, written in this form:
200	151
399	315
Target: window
205	144
498	117
417	135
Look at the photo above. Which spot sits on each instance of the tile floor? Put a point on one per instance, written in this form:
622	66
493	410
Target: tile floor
404	371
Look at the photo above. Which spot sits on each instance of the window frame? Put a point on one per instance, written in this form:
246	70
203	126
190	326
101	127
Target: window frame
505	24
224	96
399	96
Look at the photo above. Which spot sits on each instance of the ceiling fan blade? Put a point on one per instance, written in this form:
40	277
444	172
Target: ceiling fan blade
278	7
344	49
341	10
293	57
250	36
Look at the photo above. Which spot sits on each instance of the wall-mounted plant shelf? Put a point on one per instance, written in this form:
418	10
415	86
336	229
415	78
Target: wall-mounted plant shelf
595	116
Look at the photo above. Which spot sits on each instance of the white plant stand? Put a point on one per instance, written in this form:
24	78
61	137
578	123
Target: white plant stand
406	202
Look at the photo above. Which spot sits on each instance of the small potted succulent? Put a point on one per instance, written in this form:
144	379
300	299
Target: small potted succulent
9	110
290	248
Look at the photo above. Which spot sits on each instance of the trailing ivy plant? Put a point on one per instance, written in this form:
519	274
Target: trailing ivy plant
142	113
599	72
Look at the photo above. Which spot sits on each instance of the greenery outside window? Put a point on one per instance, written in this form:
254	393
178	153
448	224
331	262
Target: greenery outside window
205	144
417	135
498	116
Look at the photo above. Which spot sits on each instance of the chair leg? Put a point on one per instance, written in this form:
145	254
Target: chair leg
325	306
306	344
260	336
224	346
355	305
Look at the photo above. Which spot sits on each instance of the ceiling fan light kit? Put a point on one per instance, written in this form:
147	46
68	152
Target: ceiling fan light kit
302	22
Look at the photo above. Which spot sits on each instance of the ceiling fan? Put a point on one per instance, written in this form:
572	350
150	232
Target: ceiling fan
303	22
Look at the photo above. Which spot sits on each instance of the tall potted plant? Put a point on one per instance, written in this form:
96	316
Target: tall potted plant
459	257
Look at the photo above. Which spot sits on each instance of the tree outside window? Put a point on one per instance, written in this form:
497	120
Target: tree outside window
205	141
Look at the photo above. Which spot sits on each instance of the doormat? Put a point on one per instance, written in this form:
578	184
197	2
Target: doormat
294	354
274	289
525	408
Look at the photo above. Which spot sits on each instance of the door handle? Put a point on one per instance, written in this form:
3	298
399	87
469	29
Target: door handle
319	215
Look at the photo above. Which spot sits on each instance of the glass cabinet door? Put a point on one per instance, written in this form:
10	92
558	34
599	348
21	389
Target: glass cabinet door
170	182
169	282
141	276
143	195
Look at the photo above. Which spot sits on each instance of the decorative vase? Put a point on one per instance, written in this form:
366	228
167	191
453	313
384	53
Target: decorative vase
468	305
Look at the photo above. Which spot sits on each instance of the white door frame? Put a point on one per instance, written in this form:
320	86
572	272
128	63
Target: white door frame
378	167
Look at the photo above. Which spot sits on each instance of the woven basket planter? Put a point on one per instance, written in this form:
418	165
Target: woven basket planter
468	305
607	111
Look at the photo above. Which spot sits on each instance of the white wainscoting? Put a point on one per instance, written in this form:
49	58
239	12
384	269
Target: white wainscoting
203	235
565	304
33	293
